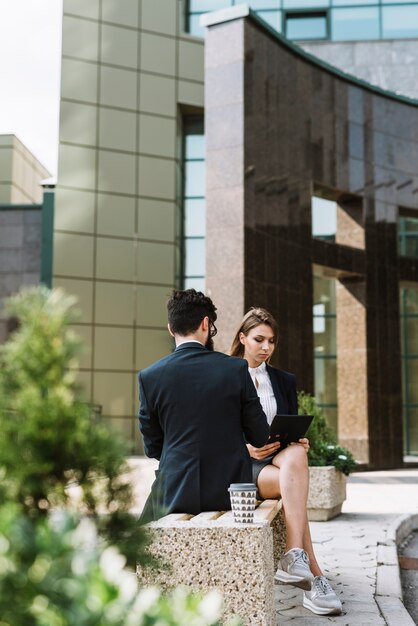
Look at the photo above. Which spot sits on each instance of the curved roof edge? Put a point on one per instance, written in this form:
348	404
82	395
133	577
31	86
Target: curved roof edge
243	10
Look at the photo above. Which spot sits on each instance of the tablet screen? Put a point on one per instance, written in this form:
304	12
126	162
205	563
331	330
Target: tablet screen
289	428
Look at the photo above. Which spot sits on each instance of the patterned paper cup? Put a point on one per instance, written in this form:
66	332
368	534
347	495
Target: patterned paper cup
243	497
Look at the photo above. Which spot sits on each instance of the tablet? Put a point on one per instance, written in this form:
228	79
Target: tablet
289	428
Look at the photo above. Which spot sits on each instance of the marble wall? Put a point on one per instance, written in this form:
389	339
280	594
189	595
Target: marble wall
280	128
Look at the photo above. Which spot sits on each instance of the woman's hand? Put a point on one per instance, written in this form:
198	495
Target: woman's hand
261	453
305	444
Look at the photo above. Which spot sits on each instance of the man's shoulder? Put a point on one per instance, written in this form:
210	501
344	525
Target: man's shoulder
154	367
232	363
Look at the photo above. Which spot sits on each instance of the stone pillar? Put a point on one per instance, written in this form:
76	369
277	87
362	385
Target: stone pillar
353	431
224	119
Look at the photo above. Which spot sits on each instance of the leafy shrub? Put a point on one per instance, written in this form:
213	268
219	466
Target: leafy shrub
324	449
66	532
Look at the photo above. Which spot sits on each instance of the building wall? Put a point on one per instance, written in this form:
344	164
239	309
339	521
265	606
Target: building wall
279	128
388	64
20	173
20	255
128	75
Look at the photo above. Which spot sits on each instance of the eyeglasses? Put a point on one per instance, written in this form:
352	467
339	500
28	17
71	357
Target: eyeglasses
212	329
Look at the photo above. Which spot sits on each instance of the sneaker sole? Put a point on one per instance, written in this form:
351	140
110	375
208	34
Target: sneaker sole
284	578
318	610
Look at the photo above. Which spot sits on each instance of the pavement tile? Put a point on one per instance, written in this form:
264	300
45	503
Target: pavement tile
347	550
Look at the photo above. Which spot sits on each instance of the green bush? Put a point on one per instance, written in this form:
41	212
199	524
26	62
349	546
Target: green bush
324	449
66	532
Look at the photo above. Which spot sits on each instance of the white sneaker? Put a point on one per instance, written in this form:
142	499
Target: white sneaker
322	599
294	569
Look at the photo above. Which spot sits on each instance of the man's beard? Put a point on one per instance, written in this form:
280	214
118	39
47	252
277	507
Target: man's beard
209	344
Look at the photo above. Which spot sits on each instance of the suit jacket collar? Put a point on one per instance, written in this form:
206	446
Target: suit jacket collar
187	345
278	389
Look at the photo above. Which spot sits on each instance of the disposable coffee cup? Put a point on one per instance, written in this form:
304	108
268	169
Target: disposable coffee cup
243	497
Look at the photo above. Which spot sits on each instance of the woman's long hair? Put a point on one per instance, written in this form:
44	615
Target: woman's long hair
253	318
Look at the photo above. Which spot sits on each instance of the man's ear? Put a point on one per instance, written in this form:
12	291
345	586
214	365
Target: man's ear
204	324
169	330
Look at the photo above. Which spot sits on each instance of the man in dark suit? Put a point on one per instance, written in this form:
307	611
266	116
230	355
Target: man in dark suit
196	407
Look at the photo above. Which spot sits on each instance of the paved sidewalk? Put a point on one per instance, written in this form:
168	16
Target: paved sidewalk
347	549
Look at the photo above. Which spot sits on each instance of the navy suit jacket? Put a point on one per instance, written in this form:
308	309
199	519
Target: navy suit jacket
195	407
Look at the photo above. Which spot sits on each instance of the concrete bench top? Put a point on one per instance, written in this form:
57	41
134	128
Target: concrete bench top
264	513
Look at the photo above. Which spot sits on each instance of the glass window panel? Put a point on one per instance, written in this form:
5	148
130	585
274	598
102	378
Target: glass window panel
345	3
195	146
264	4
399	22
331	415
399	1
326	380
195	283
195	218
412	381
273	18
412	434
203	6
324	218
325	342
355	24
195	179
304	4
408	236
324	293
304	27
195	257
193	25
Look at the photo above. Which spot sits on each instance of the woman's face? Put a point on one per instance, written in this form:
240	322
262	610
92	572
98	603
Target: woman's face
258	344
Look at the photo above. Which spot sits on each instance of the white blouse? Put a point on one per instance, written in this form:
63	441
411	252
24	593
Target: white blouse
265	392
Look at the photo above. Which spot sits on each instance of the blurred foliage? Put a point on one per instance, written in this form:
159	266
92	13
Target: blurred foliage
66	532
324	449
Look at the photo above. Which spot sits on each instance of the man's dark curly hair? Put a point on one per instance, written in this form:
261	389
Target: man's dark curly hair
186	309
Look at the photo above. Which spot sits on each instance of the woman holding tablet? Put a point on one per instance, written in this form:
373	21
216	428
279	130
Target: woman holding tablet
283	473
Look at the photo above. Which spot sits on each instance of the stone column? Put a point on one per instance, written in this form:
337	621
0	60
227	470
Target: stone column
353	431
224	118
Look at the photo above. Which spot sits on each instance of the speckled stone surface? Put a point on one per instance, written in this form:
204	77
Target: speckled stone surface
210	551
327	492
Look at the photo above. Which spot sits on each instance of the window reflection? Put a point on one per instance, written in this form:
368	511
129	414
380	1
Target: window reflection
350	24
325	347
306	25
408	236
273	18
324	218
400	22
193	247
323	19
409	351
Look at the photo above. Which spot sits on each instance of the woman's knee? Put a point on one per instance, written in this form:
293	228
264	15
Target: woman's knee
296	455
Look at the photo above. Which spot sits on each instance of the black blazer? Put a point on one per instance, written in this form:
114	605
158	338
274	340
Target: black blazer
195	407
284	389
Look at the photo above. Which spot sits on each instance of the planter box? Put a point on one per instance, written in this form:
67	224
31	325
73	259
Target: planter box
327	492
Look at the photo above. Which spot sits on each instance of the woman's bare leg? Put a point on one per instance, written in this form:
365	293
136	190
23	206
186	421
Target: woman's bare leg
288	477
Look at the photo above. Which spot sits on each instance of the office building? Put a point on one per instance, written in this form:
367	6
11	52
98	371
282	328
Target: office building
130	219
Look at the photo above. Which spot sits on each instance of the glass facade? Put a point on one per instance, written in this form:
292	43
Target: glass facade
193	274
408	236
325	347
337	20
409	349
324	218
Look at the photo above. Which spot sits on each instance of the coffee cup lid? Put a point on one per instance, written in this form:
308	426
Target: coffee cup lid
242	487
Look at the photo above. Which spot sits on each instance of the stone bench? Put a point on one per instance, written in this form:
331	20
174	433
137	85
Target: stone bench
209	551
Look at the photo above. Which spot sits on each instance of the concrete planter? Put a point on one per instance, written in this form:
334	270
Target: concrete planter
327	492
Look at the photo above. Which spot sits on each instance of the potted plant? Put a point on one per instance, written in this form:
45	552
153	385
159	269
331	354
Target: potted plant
329	464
